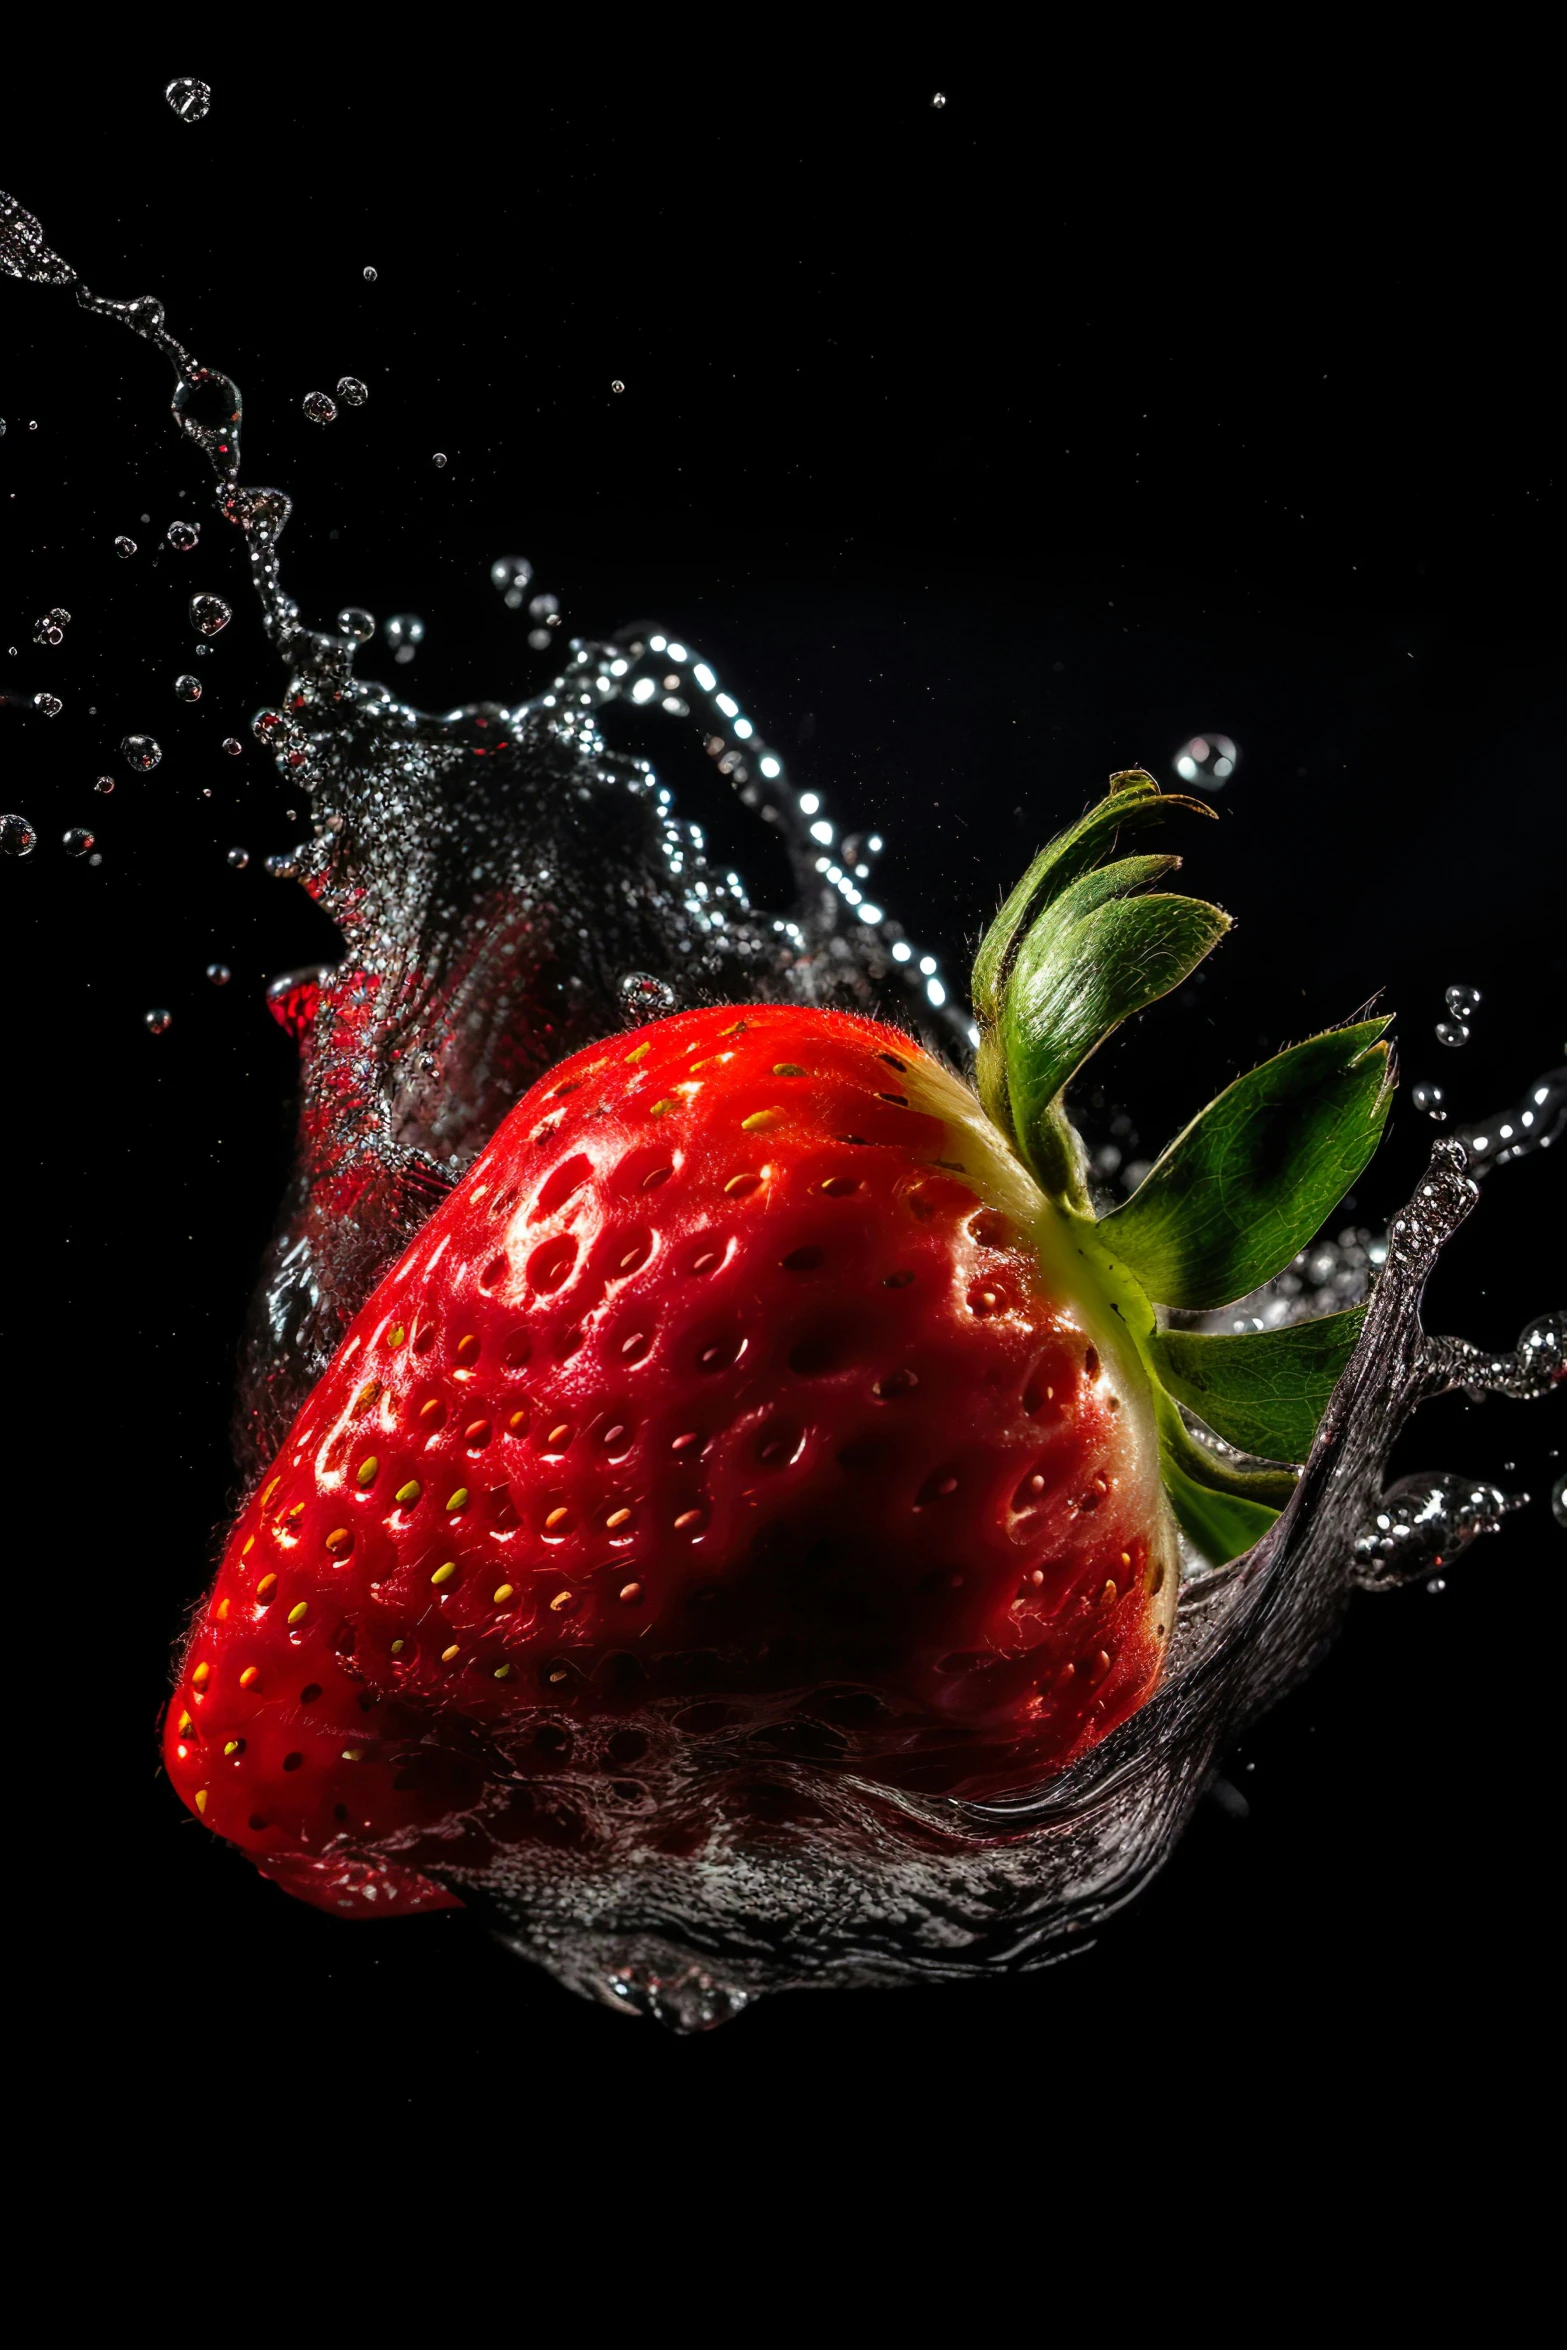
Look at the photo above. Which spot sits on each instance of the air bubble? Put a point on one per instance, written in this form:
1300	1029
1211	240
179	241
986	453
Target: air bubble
50	627
320	407
356	622
439	458
239	859
183	537
189	99
617	385
1463	1002
17	837
1559	1501
370	274
78	841
157	1021
219	974
124	547
1430	1098
233	745
351	391
1451	1032
209	615
105	783
540	639
187	688
49	704
141	752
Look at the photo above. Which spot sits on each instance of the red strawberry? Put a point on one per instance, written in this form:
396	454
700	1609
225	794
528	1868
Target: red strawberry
757	1392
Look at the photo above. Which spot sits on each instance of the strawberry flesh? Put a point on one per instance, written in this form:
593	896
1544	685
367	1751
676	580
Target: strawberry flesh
745	1400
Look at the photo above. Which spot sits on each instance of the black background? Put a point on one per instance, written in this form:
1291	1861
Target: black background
984	448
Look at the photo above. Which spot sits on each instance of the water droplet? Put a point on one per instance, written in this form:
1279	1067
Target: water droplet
1430	1099
140	751
50	704
1207	759
1424	1522
509	575
370	274
320	407
233	745
617	385
17	837
642	997
260	512
219	974
209	614
157	1021
188	688
183	536
189	99
105	783
78	841
50	628
351	391
124	547
356	622
1463	1002
1451	1032
403	632
239	859
207	407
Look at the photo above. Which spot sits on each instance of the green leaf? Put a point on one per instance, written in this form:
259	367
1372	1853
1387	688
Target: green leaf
1221	1525
1250	1180
1132	800
1224	1510
1097	957
1265	1390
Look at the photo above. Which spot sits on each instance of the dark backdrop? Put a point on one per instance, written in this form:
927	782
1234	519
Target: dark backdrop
988	447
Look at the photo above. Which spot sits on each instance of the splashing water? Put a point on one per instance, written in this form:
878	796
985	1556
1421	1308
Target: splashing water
510	887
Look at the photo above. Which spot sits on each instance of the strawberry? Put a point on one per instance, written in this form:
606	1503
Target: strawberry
762	1394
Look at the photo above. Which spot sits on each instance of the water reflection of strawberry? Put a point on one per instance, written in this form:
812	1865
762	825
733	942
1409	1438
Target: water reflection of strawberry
762	1394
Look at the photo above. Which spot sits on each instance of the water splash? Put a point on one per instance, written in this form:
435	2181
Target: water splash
1424	1522
507	884
1531	1124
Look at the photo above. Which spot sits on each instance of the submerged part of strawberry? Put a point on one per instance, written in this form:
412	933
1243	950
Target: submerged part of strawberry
747	1383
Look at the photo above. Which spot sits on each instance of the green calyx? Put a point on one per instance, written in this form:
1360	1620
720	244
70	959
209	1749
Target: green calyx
1080	945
